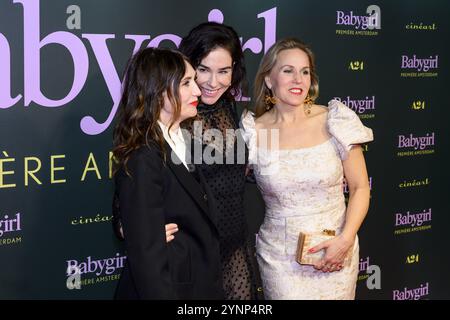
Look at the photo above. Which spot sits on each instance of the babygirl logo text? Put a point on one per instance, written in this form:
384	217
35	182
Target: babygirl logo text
79	55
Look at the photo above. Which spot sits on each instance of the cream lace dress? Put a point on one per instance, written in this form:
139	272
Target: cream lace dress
303	191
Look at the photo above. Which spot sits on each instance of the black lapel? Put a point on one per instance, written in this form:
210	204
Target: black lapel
187	180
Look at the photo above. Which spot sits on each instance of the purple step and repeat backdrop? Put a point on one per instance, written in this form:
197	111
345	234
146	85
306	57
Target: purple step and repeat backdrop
61	65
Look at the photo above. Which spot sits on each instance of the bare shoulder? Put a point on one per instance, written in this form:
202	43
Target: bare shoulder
317	110
264	120
319	115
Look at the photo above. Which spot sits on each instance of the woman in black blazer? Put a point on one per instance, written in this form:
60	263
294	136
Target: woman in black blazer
154	186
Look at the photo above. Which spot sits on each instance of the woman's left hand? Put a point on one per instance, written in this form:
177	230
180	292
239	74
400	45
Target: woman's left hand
336	250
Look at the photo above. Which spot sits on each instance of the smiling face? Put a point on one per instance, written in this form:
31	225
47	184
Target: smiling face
290	78
214	75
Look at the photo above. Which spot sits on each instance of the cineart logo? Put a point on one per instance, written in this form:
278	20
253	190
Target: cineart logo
412	219
414	183
418	64
102	266
420	142
78	51
421	26
360	106
371	21
10	224
411	294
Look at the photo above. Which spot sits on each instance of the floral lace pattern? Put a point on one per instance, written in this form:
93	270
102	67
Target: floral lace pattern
304	192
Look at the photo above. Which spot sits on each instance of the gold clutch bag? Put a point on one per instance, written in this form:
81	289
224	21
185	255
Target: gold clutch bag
307	241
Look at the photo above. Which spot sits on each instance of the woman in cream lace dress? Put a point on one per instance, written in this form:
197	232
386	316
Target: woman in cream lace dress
300	153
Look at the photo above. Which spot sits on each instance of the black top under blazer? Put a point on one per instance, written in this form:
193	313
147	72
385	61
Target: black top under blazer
156	194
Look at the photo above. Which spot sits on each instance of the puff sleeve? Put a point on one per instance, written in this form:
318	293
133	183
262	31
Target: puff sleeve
248	130
346	128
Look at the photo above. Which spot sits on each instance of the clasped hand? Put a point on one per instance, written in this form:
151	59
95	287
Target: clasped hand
336	250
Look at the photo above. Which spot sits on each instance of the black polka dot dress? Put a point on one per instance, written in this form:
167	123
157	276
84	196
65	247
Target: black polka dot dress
227	182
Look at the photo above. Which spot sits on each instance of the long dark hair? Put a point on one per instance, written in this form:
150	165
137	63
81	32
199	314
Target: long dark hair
208	36
150	74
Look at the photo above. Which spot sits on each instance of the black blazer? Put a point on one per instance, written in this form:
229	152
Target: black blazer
189	266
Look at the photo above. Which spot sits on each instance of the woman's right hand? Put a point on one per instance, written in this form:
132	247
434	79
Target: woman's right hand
171	228
336	250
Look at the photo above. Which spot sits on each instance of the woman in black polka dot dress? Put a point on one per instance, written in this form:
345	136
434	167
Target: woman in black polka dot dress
215	52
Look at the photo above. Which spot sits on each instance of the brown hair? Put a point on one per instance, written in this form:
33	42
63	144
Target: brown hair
151	74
